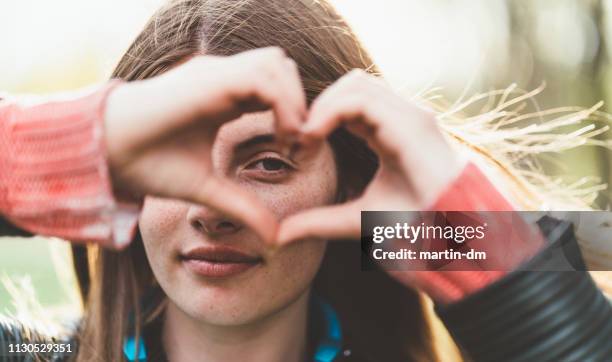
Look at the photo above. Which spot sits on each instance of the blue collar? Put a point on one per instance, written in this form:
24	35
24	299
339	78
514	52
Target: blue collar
327	349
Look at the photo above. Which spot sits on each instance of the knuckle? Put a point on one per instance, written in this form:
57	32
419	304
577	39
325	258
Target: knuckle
383	102
357	80
273	67
266	71
358	75
369	108
266	58
292	64
426	115
427	112
275	52
361	99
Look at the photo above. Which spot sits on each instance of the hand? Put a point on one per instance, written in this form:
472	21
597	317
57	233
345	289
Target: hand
159	131
416	163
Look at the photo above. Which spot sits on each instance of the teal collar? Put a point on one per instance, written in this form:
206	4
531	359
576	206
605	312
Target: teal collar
327	349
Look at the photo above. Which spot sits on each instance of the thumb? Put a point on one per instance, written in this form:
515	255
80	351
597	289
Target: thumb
329	222
233	201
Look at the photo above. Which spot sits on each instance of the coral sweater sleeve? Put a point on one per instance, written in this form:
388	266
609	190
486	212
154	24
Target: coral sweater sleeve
54	177
473	191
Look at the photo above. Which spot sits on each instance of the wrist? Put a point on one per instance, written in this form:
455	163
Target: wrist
121	122
440	166
116	118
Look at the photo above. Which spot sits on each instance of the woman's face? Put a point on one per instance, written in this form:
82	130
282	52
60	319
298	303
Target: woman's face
213	268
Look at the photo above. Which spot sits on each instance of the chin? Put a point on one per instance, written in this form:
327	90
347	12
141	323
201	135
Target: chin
229	315
229	305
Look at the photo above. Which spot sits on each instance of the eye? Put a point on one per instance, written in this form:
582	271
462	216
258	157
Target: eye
268	168
269	164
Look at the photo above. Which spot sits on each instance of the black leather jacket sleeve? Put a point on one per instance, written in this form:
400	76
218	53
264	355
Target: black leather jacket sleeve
532	315
8	229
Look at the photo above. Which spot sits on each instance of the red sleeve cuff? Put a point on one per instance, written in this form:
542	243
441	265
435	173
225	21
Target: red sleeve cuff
470	191
54	178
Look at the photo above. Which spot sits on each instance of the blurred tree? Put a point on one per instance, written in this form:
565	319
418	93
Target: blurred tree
562	43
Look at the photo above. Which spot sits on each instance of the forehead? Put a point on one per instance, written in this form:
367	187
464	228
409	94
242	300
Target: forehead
237	132
247	126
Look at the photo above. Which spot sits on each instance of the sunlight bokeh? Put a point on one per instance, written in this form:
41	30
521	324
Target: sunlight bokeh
66	44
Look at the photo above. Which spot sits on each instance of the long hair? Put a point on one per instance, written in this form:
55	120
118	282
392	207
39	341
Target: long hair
382	319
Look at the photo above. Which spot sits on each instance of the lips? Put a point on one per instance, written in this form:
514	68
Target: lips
219	261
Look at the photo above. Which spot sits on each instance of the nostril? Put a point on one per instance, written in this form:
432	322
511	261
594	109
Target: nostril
220	227
206	221
198	225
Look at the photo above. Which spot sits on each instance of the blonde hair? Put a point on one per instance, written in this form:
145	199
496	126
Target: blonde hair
508	145
514	142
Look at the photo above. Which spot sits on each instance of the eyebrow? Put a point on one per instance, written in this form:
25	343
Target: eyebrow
254	141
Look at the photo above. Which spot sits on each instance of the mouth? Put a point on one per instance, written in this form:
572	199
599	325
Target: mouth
219	261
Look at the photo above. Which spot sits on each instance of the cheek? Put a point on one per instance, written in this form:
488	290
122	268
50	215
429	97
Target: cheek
160	221
160	217
298	264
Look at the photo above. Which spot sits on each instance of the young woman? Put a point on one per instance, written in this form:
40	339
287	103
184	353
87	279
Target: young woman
197	283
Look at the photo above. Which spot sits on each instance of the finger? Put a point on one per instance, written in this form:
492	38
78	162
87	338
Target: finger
361	102
329	222
320	122
236	203
278	85
287	128
331	112
257	82
268	93
296	80
370	109
286	117
362	114
357	88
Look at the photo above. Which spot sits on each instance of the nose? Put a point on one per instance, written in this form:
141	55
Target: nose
211	222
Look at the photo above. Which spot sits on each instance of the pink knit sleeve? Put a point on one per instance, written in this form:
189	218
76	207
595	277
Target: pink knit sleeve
54	177
472	191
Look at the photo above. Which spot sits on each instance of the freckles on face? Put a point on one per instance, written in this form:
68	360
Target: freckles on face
161	225
310	182
246	152
161	216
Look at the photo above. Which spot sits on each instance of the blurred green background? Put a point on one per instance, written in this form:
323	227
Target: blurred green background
463	46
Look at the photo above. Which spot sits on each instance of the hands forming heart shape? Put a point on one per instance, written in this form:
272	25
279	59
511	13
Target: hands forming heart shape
164	149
